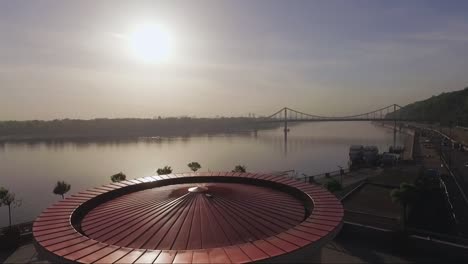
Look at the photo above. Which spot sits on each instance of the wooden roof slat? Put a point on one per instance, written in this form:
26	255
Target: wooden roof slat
268	248
79	254
114	256
104	251
236	255
131	256
253	252
218	255
166	256
148	257
200	256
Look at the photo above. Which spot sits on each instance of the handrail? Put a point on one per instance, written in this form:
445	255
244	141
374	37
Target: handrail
370	214
439	236
353	190
25	227
332	174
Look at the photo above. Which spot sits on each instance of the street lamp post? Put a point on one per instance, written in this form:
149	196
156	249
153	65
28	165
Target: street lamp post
341	174
451	145
440	148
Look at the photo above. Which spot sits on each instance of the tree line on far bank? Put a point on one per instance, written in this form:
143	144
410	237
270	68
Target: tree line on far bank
126	128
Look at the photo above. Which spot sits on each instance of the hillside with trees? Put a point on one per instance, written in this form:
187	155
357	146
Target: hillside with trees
446	108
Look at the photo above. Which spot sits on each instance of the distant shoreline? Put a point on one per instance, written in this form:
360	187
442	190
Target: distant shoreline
125	129
71	138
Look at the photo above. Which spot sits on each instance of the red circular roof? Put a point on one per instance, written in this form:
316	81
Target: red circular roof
239	218
171	217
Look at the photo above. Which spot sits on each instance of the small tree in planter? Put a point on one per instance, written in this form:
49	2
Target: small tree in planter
406	195
11	234
3	192
118	177
164	170
239	168
9	199
61	188
333	186
194	166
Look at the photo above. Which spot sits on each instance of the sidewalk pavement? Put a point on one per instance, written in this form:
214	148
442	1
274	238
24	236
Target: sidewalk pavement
25	254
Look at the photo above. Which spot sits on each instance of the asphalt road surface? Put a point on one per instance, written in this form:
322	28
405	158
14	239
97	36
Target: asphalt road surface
456	160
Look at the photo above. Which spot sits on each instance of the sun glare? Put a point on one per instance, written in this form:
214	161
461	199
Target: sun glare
151	43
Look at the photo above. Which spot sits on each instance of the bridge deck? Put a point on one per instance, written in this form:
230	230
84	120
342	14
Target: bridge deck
332	120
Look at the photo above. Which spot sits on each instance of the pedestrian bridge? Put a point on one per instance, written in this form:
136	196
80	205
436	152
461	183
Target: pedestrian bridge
286	114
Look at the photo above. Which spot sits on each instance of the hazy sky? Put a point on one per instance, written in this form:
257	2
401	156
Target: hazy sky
62	59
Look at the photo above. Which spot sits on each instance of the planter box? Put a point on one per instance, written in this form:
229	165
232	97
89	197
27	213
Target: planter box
10	238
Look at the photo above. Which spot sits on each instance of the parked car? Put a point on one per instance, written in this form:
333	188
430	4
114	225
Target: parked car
432	173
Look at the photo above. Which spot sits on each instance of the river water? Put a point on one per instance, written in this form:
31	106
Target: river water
31	169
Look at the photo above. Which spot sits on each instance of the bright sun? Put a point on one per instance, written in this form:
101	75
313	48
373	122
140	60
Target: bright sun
151	43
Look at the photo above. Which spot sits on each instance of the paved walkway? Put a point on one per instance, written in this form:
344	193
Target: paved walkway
25	254
339	252
354	176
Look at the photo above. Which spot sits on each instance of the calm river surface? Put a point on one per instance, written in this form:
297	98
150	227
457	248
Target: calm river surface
31	169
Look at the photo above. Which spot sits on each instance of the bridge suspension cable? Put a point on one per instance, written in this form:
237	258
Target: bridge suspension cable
289	114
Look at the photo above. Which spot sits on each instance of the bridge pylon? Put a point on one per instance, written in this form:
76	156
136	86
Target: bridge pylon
286	129
285	120
394	126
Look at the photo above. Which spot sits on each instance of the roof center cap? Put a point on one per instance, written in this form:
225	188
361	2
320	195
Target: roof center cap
198	189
